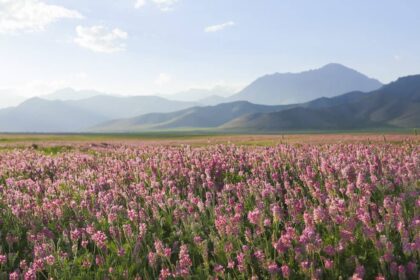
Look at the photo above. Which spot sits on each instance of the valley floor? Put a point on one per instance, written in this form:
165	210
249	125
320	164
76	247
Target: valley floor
190	138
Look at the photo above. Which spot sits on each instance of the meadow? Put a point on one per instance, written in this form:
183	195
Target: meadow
334	206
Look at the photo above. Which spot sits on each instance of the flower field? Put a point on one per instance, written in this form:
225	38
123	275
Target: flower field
326	211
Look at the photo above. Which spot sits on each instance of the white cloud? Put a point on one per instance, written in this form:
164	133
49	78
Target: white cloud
163	79
31	15
99	39
139	4
219	27
163	5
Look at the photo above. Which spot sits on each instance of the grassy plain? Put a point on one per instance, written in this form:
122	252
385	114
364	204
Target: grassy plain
191	138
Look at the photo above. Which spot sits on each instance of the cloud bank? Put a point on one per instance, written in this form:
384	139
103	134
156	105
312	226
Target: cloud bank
98	38
219	27
31	15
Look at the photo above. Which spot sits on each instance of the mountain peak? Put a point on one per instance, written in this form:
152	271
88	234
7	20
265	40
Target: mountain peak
330	80
336	66
408	79
72	94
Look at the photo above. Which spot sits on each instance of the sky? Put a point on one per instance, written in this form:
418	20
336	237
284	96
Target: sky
165	46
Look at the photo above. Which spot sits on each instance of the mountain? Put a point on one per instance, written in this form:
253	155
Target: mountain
328	81
41	115
396	105
195	117
201	95
212	100
71	94
113	107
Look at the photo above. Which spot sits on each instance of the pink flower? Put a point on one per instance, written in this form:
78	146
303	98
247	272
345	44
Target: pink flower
99	238
198	240
84	243
241	262
121	252
329	264
329	250
50	259
254	216
3	259
259	255
219	269
231	264
159	248
38	265
167	252
412	268
152	258
273	268
14	276
30	275
132	215
401	272
184	262
86	263
165	273
99	260
394	268
128	231
360	271
285	270
23	265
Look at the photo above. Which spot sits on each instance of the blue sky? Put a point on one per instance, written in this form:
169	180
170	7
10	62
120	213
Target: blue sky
164	46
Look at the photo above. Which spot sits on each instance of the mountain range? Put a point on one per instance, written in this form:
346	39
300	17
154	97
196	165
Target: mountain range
287	88
396	105
66	94
331	97
42	115
202	96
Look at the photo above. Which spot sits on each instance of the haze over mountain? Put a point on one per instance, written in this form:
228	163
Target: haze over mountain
41	115
129	106
396	105
196	94
287	88
71	94
10	98
69	110
195	117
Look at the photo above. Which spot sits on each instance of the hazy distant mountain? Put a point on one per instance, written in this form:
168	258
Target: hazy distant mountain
212	100
40	115
9	98
71	94
201	94
128	106
196	117
396	105
328	81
